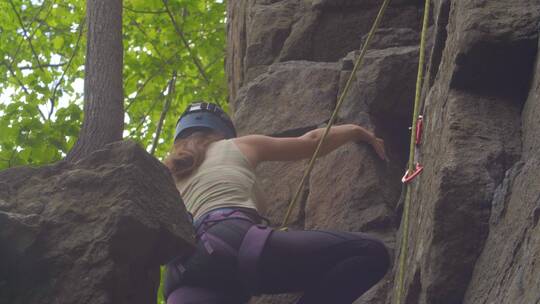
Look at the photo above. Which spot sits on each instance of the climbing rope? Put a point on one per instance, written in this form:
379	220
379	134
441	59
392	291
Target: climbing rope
358	63
413	170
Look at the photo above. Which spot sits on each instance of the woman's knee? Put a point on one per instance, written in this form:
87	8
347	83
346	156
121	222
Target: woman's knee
381	257
375	252
184	295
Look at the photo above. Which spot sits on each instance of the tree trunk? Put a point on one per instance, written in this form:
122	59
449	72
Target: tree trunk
103	92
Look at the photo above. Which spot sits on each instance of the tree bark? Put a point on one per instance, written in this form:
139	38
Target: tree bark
103	92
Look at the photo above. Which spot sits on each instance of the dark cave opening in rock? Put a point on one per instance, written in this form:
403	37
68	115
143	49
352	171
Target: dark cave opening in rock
394	129
499	69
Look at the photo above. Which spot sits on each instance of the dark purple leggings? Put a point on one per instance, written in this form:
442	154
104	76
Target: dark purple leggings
328	266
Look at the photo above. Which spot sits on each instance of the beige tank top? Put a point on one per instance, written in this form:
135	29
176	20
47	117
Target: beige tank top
224	179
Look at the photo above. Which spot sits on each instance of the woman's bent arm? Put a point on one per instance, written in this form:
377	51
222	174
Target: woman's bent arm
258	148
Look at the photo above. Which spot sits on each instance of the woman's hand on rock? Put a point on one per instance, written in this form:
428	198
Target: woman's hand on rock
378	146
361	134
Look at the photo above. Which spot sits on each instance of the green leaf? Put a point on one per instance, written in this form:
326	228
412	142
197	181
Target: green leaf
58	42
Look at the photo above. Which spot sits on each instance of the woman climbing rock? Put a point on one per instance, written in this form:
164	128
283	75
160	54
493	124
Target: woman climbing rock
238	255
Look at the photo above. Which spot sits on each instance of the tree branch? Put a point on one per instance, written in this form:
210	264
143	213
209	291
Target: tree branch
143	119
144	11
141	88
217	59
34	18
25	33
14	56
15	150
185	42
11	157
23	87
16	53
52	99
138	26
29	67
21	84
170	94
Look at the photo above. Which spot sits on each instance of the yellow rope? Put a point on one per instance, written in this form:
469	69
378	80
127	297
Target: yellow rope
334	114
405	220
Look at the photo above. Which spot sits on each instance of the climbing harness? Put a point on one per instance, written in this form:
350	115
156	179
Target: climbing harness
247	254
332	120
413	170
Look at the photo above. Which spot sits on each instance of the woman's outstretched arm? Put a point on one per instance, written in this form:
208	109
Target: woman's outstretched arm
259	148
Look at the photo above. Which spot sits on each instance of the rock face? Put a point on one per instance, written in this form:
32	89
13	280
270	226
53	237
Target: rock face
91	232
293	85
478	130
511	255
474	215
263	32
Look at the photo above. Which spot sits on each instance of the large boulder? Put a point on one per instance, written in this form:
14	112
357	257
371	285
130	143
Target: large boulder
507	270
479	78
91	232
264	32
350	189
474	210
282	85
276	102
352	184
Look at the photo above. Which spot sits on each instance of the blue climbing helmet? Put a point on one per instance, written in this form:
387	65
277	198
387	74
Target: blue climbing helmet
204	115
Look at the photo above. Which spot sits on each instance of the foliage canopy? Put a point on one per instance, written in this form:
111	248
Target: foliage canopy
174	54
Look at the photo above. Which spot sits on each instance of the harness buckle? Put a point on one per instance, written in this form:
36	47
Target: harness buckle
409	176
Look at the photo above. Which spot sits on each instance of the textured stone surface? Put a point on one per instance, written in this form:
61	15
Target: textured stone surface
279	180
92	232
474	214
507	271
352	184
290	95
382	94
348	192
263	32
473	136
278	103
350	189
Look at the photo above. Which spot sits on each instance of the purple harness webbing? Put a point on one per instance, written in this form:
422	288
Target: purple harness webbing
249	254
206	222
250	249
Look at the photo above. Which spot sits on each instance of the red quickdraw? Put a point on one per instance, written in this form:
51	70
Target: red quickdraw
419	129
407	178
